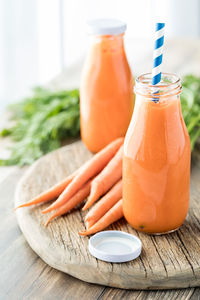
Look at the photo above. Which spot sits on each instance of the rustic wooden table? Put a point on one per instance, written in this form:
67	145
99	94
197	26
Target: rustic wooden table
23	275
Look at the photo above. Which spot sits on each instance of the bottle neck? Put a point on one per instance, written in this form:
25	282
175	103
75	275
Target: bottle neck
107	43
169	88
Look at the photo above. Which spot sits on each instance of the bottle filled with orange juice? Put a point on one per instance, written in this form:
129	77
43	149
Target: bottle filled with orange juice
156	163
106	92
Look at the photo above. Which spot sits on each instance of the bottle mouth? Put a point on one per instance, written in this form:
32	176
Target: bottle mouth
170	85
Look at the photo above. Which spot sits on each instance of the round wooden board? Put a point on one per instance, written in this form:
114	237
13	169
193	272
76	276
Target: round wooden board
168	261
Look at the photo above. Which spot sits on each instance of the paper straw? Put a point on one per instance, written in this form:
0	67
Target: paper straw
158	53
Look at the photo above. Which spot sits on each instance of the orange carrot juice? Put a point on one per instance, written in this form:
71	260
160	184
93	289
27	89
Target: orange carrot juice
106	92
156	164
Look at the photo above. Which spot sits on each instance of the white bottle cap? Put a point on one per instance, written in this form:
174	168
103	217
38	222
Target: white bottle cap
115	246
106	27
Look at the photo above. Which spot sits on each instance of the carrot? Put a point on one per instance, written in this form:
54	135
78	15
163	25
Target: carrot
51	193
87	224
114	214
87	171
73	202
104	204
106	179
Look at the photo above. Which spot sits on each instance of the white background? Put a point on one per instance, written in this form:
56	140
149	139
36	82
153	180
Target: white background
39	38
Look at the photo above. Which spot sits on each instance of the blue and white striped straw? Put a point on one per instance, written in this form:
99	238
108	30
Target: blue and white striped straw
158	53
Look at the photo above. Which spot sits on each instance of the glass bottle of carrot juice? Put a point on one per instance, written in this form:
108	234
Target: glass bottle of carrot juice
106	92
156	163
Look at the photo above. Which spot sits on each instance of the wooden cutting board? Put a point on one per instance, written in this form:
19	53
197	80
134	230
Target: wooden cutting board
168	261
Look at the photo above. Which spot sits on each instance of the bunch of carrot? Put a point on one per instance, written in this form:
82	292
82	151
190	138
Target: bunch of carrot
99	178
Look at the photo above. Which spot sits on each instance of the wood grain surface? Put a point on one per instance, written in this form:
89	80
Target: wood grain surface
23	275
167	261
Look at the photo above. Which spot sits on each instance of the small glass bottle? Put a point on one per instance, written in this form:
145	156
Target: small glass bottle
156	163
106	92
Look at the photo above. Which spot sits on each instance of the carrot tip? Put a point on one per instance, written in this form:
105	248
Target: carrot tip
45	211
84	208
87	218
83	232
47	222
19	206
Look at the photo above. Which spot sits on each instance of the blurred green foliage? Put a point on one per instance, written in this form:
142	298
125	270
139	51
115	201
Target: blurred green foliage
190	104
42	121
47	118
